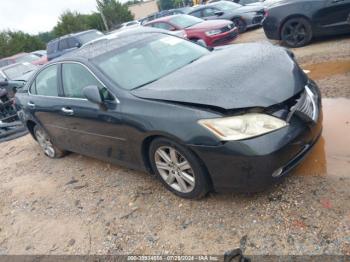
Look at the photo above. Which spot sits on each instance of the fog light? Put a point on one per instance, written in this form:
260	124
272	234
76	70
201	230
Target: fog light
277	173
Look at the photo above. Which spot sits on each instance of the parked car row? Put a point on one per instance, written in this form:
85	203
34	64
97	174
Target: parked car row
295	23
33	58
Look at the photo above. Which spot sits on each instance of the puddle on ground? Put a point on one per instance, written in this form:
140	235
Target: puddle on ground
331	155
327	69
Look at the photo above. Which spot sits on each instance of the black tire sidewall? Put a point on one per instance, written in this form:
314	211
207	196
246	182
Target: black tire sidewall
307	26
201	187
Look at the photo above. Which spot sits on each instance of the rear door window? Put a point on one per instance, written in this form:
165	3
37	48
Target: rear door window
164	26
73	42
208	12
63	44
46	82
197	13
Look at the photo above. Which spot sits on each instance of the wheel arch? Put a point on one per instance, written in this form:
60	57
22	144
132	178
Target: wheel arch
146	157
30	126
291	17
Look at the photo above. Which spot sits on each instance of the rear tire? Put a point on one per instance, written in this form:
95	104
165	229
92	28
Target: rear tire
46	145
296	32
178	169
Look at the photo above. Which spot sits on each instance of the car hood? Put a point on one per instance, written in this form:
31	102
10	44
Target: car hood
242	76
209	24
24	77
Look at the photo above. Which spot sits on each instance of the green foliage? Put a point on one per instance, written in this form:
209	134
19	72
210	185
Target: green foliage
94	21
70	22
12	42
114	12
46	36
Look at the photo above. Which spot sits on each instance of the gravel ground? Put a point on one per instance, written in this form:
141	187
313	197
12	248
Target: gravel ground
78	205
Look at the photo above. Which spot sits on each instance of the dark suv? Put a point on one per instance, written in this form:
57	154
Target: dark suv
68	43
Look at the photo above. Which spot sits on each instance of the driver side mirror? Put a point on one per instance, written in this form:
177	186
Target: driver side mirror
92	93
218	13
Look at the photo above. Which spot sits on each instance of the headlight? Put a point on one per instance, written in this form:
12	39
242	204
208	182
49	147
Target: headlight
213	32
243	126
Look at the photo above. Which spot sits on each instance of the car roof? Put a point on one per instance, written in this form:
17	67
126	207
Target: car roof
163	19
70	35
121	39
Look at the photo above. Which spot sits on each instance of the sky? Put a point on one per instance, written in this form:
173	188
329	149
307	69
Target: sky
34	16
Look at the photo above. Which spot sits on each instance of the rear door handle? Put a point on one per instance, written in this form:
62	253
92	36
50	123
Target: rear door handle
31	104
67	111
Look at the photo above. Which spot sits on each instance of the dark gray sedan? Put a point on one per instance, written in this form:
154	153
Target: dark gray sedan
239	118
243	16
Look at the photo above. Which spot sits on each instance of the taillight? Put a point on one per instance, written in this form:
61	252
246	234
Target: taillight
266	12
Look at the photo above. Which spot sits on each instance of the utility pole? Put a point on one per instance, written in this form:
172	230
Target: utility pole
104	20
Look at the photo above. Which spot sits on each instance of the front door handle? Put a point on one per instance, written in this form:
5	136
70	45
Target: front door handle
337	1
31	104
67	111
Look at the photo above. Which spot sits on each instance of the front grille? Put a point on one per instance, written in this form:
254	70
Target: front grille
227	28
306	106
226	39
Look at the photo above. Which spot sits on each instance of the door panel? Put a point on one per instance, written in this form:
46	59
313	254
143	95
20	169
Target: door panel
44	103
333	18
90	129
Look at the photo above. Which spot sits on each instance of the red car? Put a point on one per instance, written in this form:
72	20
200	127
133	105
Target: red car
211	32
23	57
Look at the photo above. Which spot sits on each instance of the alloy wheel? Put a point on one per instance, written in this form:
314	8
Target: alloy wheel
174	169
45	143
295	33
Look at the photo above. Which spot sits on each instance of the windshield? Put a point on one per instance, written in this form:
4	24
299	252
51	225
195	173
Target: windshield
18	70
148	60
225	5
184	21
91	35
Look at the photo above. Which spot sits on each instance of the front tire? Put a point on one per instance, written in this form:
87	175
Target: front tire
46	145
240	24
296	32
178	169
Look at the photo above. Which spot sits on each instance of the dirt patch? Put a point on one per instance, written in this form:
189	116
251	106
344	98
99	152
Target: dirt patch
327	69
331	155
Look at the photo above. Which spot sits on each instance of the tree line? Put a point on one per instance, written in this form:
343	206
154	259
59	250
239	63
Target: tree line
110	13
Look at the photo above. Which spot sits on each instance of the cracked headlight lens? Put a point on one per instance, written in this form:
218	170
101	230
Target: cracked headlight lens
242	126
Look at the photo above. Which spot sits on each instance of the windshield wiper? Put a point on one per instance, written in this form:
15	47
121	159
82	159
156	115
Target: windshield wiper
149	82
